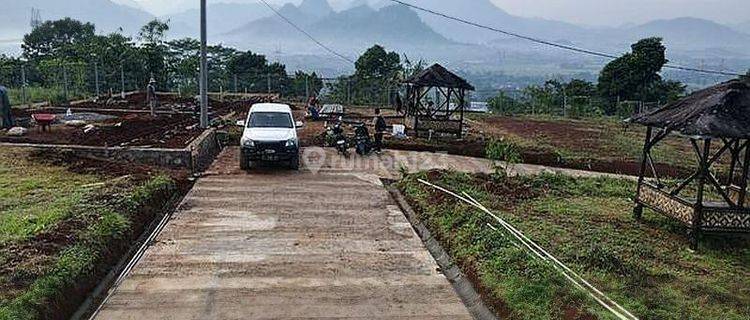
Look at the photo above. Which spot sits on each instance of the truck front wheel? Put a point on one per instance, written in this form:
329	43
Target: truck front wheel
294	163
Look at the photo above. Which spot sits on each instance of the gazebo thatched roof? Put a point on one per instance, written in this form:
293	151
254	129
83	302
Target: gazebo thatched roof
721	111
439	76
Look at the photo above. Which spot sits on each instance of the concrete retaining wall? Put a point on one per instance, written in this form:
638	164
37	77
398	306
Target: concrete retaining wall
204	150
195	157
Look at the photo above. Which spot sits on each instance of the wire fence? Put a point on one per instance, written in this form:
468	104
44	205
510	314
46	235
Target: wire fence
63	82
519	102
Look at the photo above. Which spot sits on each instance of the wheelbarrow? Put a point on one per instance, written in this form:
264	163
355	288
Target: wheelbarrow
44	120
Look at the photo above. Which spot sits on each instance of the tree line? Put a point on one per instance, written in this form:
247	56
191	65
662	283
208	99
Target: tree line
625	85
70	53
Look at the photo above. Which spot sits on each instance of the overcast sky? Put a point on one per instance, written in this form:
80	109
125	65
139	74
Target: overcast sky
589	12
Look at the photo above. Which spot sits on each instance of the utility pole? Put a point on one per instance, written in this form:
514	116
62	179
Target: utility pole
235	83
204	69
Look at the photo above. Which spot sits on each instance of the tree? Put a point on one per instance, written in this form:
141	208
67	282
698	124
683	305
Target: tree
152	35
376	71
581	88
377	64
505	104
635	76
56	39
303	83
410	69
154	31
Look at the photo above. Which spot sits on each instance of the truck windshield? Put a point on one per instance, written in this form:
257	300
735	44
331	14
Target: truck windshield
270	120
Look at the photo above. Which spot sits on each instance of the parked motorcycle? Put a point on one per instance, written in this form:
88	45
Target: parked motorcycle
335	138
362	141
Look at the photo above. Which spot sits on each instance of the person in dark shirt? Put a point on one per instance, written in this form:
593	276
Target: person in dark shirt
380	126
6	118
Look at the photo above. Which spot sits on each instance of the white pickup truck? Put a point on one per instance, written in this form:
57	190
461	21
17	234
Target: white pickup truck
270	135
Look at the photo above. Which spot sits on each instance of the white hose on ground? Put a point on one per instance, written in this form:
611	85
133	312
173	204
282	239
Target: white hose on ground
569	274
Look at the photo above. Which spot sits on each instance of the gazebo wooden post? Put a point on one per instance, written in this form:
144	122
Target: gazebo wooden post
695	229
638	210
735	153
462	106
745	173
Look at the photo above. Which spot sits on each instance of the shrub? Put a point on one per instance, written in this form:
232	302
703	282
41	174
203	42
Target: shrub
504	151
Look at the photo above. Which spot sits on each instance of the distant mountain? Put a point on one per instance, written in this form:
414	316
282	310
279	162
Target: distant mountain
105	14
691	33
392	24
487	13
129	3
222	17
272	28
743	27
316	8
354	28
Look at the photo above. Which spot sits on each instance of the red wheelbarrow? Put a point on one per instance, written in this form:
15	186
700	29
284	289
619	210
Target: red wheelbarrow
44	120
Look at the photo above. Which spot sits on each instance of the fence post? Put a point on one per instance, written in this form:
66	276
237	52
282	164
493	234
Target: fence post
96	77
23	85
65	82
307	88
565	104
122	80
348	91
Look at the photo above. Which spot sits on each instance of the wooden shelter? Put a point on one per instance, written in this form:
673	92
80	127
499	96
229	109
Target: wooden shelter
716	122
447	116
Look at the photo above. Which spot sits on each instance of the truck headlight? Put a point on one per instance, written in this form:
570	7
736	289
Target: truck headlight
291	143
248	143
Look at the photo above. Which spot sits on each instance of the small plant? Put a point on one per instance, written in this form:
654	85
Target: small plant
403	170
505	155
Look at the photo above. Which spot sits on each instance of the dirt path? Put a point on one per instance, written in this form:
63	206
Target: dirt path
275	244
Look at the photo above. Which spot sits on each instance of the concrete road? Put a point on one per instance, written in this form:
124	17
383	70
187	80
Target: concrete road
323	243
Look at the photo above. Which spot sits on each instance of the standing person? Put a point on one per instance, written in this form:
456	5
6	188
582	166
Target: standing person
6	118
151	96
379	123
399	104
312	108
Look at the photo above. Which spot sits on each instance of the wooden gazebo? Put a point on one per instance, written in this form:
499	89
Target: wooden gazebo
447	116
716	122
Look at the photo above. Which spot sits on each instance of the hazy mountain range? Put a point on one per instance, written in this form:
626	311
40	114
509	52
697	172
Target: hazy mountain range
354	25
107	15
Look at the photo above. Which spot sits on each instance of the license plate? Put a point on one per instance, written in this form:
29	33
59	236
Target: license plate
269	157
341	142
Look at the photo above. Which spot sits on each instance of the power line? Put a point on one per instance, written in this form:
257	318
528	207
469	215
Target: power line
549	43
307	34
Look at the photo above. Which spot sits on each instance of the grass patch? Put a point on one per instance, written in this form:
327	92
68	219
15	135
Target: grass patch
40	94
580	140
34	197
586	223
60	231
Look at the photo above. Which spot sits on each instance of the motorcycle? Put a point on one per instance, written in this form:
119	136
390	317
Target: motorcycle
362	141
335	138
